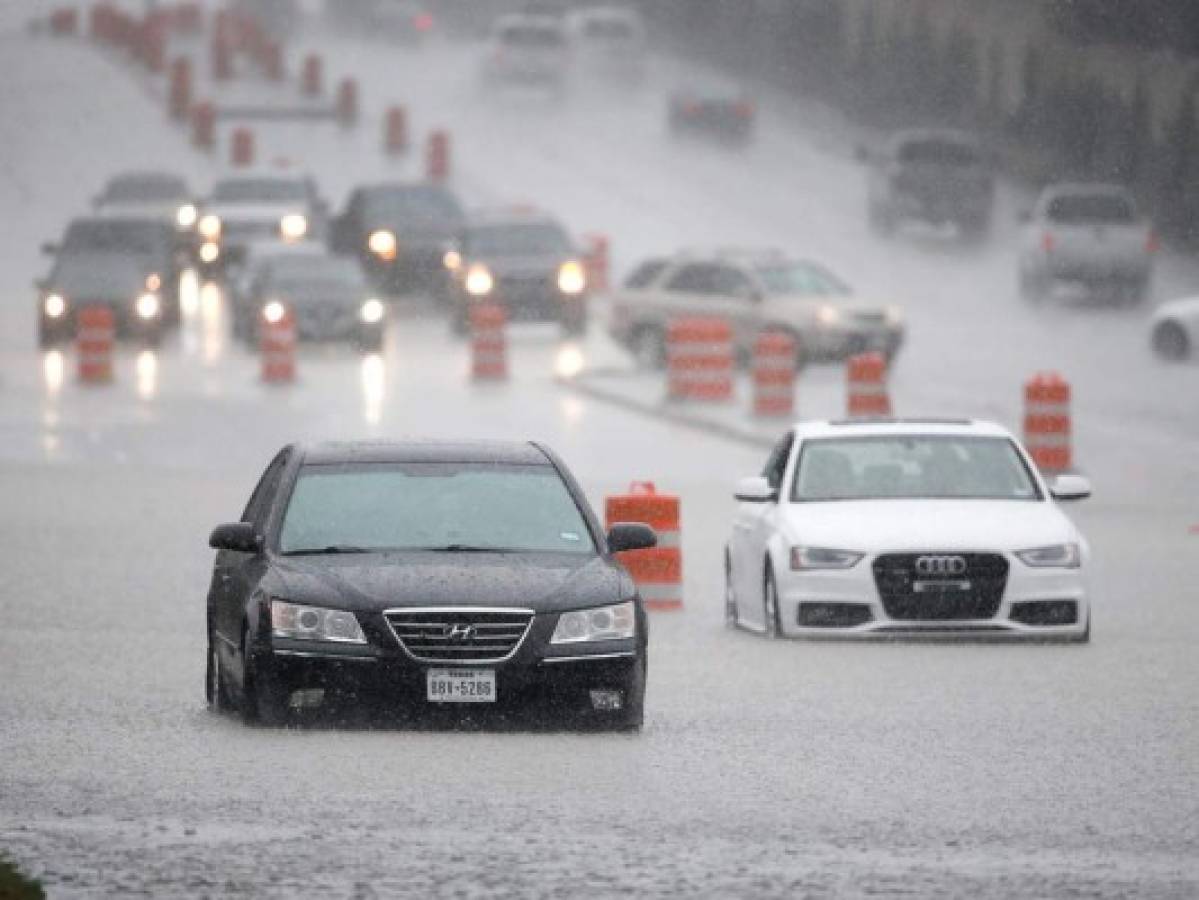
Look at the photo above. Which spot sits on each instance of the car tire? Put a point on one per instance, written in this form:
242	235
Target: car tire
216	691
770	606
262	703
648	345
731	618
1170	342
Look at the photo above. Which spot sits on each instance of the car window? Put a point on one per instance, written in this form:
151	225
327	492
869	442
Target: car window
518	239
645	274
1107	208
424	202
695	278
776	463
731	282
260	190
430	505
801	278
912	466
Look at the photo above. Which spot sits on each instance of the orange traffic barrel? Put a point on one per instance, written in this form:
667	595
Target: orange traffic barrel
488	342
179	94
241	147
597	262
64	21
395	131
203	125
1047	427
277	342
437	156
867	386
311	76
774	367
658	572
222	55
272	60
347	102
151	43
95	334
699	356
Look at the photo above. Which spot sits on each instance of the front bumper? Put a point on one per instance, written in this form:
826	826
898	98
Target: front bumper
1036	604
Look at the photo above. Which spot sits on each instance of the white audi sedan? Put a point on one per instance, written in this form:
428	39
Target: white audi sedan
884	528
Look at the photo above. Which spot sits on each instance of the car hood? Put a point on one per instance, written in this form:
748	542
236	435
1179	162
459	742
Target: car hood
419	231
913	525
378	581
1187	308
308	297
100	275
523	265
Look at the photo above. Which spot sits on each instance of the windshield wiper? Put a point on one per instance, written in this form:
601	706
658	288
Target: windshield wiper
332	548
466	548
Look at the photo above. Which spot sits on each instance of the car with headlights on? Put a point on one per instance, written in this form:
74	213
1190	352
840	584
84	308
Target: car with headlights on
253	207
892	528
149	194
1174	329
126	264
715	111
934	176
401	233
524	260
423	576
755	291
327	297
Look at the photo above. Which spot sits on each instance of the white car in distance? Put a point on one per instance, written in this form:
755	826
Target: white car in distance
886	528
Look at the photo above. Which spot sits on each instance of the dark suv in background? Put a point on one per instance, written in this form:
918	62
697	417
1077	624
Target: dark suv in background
936	176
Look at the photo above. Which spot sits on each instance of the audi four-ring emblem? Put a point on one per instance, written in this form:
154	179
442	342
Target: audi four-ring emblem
940	566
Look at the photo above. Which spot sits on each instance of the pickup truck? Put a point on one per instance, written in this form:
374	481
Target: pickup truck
1091	234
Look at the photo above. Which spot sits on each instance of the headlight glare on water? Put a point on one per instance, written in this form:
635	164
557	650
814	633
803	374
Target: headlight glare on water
209	227
314	623
604	623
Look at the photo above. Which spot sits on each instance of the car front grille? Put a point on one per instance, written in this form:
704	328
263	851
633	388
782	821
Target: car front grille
459	634
973	593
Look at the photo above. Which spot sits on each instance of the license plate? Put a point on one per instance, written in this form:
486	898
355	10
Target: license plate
460	685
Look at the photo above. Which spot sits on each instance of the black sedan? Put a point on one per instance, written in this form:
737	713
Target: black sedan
419	576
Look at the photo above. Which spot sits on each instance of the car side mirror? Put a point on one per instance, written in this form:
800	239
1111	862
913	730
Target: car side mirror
624	536
49	248
1070	487
237	536
755	489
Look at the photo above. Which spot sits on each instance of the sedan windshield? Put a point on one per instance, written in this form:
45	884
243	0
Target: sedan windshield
300	268
260	190
800	278
114	236
145	189
1087	208
912	467
433	506
525	239
420	202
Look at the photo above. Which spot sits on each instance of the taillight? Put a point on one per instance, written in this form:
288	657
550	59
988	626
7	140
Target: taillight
423	22
1047	242
1153	242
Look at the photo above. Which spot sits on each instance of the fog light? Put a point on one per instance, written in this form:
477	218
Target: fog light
607	701
209	252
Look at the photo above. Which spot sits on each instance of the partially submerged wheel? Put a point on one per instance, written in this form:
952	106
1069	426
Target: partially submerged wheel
1170	341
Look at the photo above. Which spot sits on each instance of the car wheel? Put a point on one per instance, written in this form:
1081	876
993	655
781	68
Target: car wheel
770	606
1170	341
215	690
731	619
649	348
261	702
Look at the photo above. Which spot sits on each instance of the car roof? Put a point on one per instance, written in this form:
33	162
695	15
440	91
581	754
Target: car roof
426	450
883	427
744	255
509	215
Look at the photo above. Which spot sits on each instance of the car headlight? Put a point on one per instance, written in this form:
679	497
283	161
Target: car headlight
209	227
479	281
383	244
273	312
55	305
153	281
452	260
1057	556
293	226
372	311
185	216
571	277
804	558
313	623
148	306
828	315
604	623
210	252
